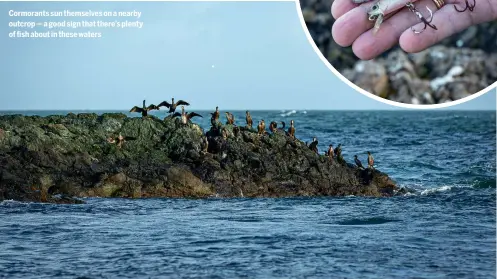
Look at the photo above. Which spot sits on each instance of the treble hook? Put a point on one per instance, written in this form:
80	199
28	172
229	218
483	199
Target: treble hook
468	6
427	22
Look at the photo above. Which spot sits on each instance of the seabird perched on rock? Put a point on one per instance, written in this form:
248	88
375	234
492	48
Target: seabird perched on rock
314	145
330	152
215	114
230	118
248	119
172	106
214	118
185	117
370	160
144	109
338	150
214	122
291	129
358	162
261	128
273	126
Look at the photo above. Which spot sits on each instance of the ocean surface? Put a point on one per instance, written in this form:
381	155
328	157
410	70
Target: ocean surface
446	229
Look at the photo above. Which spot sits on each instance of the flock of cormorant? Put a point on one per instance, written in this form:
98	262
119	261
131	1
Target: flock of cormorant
230	120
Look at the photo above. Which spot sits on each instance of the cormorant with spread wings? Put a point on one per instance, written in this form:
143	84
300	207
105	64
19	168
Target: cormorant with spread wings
185	117
144	109
172	106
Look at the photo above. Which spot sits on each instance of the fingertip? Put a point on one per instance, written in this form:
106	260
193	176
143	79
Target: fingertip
370	44
405	42
337	34
413	43
349	27
341	7
334	11
363	50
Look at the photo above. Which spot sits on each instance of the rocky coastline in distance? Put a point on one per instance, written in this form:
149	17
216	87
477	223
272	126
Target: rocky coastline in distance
58	159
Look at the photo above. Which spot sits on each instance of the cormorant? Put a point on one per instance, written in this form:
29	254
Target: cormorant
370	160
330	152
215	114
291	130
314	145
230	118
338	150
172	106
214	122
214	118
248	119
358	162
144	109
261	128
273	126
185	117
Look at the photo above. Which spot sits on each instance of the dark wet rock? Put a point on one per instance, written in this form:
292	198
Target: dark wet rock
57	158
474	48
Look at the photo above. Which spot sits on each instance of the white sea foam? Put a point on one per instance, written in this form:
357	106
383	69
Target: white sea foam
409	194
444	188
419	189
436	190
288	113
8	201
12	202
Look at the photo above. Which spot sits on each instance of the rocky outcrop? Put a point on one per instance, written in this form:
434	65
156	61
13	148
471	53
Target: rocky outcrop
50	159
458	66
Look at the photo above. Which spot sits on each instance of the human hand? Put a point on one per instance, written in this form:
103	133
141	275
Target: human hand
352	26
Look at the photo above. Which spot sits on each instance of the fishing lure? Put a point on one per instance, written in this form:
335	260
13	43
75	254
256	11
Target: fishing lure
427	22
380	9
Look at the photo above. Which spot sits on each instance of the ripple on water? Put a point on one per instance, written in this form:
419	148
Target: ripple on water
366	221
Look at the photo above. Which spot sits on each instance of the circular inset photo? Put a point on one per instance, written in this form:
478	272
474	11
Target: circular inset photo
422	52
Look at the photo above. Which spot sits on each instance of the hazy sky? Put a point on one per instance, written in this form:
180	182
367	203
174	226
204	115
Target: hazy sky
237	55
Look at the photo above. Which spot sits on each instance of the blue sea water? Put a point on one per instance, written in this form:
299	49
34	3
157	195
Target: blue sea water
446	229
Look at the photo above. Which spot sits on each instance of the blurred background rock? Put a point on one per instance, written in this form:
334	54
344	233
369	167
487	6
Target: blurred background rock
457	67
